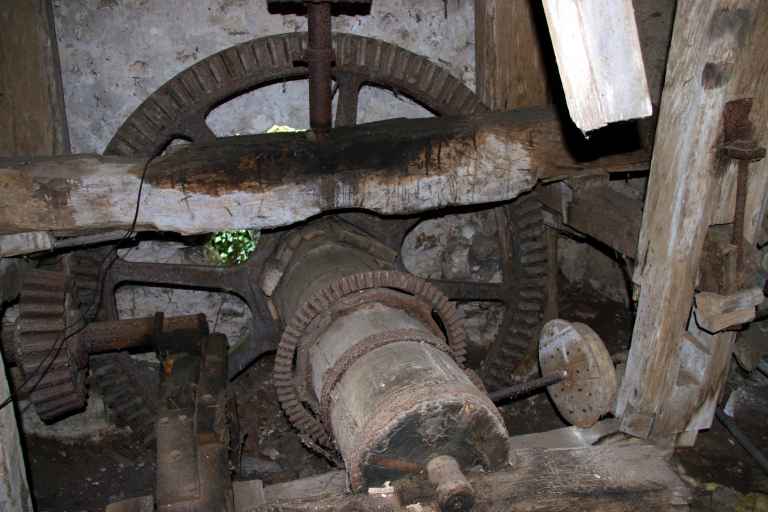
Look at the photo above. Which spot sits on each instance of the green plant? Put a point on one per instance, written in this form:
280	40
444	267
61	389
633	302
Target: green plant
233	247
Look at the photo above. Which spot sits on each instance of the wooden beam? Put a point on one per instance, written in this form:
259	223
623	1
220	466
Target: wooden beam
510	64
32	117
592	478
599	59
599	211
263	181
683	183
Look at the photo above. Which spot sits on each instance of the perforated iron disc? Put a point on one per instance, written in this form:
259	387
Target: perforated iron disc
590	389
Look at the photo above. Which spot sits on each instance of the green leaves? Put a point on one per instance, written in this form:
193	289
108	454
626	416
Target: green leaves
233	247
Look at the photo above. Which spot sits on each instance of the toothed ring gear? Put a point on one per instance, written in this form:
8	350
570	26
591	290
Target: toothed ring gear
53	367
284	373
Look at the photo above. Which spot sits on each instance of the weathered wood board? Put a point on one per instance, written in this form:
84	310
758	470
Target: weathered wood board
263	181
32	116
510	54
618	478
599	60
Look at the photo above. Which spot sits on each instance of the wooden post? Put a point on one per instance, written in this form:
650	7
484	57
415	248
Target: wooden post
510	62
599	59
684	183
32	117
511	72
32	122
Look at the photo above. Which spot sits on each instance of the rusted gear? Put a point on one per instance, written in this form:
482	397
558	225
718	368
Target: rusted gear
129	404
513	354
284	375
53	368
178	109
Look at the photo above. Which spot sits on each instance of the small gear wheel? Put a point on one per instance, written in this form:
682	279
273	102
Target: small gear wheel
52	364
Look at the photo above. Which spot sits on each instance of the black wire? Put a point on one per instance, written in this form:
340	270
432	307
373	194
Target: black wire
104	267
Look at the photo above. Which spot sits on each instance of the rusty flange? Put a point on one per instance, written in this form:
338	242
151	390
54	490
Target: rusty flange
284	375
590	389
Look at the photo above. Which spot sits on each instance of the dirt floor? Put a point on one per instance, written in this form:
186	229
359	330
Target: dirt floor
89	474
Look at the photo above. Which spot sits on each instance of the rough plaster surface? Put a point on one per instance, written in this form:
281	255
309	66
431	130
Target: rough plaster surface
462	247
114	53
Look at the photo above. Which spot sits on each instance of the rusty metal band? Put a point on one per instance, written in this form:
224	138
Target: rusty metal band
364	347
413	306
324	299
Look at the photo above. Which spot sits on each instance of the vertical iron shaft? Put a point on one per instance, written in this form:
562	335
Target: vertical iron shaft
319	58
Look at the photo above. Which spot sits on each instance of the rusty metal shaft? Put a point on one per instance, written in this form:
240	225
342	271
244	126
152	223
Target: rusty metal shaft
115	335
526	387
319	57
110	336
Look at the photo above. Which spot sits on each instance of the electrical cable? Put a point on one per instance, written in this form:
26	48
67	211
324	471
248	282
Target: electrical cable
104	267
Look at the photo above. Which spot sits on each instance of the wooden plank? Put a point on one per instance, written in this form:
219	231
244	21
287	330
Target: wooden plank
510	64
140	504
248	495
599	211
263	181
599	60
307	489
32	117
715	312
616	478
679	204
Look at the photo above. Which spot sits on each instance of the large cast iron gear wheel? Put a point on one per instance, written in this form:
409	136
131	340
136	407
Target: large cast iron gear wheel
514	353
54	369
178	110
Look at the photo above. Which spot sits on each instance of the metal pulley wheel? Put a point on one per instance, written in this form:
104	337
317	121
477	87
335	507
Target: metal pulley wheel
589	389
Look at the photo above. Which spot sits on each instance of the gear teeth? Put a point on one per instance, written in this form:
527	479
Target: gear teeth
262	61
130	405
41	333
283	372
514	352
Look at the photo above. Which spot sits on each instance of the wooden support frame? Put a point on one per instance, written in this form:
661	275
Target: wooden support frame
262	181
706	59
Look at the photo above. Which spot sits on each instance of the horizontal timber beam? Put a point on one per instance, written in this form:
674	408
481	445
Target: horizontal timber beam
264	181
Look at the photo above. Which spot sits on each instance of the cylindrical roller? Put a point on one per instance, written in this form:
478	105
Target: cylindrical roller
403	402
375	367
